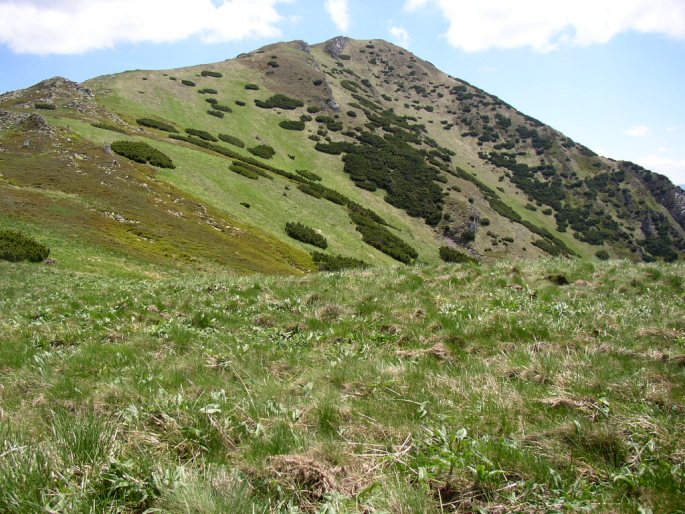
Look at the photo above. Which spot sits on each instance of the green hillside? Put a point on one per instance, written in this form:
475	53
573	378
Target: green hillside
377	151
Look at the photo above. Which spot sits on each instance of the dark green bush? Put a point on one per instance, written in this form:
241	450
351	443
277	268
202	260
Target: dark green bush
449	254
602	255
45	106
216	114
305	234
272	64
211	100
308	175
232	140
215	74
253	87
143	153
16	247
263	151
240	103
159	125
313	109
327	262
280	101
317	82
188	83
292	125
240	170
202	134
378	236
223	108
208	91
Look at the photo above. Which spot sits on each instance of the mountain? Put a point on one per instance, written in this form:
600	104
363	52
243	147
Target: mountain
292	157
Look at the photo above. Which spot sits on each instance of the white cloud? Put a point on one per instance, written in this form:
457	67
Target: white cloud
412	5
637	131
672	168
401	36
542	25
76	26
339	12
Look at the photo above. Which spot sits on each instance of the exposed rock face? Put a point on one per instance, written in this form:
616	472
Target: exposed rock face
304	46
25	120
334	47
670	196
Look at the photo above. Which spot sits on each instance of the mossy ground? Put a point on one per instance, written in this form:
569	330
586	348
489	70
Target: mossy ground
421	389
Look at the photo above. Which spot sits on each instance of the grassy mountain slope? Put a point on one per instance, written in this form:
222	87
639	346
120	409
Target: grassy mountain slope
421	389
438	160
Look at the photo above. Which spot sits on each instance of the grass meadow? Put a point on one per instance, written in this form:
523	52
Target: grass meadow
542	386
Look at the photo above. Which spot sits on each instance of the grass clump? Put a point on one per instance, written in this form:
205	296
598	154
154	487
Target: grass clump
143	153
252	87
207	91
15	247
305	234
188	83
108	126
208	73
159	125
216	114
45	106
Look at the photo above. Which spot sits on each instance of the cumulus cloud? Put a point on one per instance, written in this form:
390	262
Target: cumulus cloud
637	131
412	5
672	168
76	26
339	12
476	25
401	36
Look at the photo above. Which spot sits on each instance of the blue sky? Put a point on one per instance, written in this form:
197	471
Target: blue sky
608	73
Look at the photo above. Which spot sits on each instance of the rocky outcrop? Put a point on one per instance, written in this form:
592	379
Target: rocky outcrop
335	47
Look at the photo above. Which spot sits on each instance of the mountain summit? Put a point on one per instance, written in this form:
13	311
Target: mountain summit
298	156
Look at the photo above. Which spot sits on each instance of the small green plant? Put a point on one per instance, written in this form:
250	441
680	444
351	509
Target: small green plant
207	91
15	247
305	234
216	114
45	106
108	126
208	73
188	83
602	255
222	108
253	87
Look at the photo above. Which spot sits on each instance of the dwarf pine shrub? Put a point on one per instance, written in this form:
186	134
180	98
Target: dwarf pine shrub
143	153
159	125
15	247
263	151
305	234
